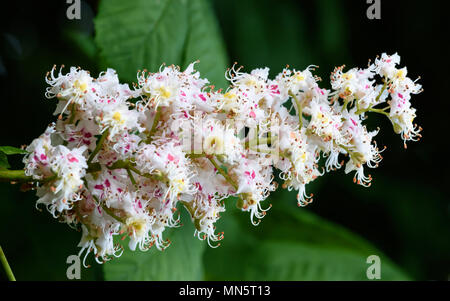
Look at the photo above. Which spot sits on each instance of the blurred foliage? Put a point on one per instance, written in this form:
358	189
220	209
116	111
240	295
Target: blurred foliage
182	260
404	215
290	244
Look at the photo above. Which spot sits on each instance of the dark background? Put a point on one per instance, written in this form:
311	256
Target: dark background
406	211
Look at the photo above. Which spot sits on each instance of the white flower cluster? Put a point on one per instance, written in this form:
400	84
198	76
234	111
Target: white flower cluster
122	162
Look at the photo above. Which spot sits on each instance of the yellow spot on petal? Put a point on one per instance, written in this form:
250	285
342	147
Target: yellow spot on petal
229	95
299	77
303	157
400	74
82	86
118	117
136	225
163	92
347	76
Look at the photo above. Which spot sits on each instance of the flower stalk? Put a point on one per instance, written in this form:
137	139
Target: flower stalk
6	267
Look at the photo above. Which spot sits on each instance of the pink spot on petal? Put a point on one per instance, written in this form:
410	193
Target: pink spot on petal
72	159
199	186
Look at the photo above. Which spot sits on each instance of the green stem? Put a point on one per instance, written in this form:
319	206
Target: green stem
110	213
299	108
7	175
223	173
154	125
134	169
381	111
257	142
195	156
8	271
359	111
129	166
18	175
133	181
98	147
72	114
382	90
346	102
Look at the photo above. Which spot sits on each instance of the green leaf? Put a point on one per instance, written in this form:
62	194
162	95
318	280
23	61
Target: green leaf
287	260
140	34
44	245
291	244
4	160
11	150
204	43
182	260
261	33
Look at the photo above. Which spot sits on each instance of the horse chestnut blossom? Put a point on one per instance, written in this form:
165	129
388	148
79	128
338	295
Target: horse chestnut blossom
122	161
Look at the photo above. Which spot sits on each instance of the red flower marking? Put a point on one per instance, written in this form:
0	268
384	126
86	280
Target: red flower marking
170	157
199	187
72	158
